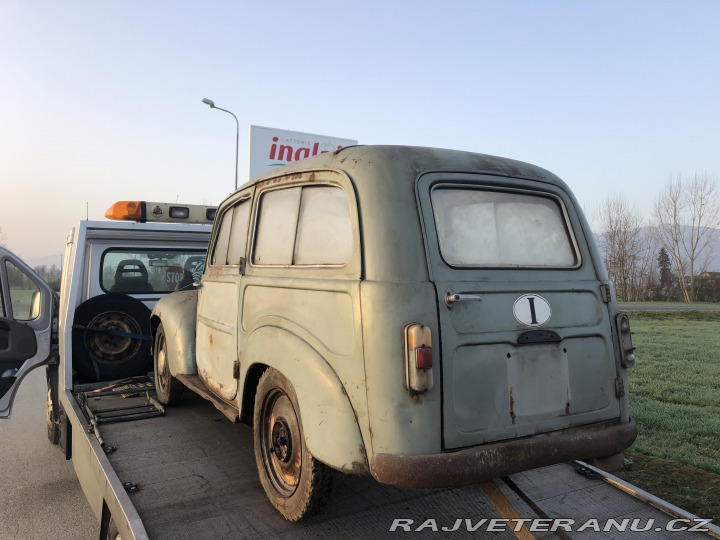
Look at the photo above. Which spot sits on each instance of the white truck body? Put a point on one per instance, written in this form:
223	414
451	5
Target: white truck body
53	330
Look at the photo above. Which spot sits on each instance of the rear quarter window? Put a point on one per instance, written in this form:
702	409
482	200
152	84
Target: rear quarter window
304	226
483	228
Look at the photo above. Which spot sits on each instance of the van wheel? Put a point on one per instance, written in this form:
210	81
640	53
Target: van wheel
111	333
297	484
167	387
53	431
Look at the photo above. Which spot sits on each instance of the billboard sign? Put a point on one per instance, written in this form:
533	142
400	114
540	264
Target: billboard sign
271	148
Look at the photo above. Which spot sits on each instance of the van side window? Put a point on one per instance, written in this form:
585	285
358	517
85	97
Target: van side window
239	232
219	255
479	228
307	225
324	232
276	228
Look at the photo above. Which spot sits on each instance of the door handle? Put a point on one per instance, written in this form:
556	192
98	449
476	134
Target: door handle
451	298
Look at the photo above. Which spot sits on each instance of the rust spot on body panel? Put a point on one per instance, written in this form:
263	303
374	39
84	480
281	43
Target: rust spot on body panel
512	406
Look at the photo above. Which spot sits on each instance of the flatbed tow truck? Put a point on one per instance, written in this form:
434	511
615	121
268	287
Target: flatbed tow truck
191	474
186	472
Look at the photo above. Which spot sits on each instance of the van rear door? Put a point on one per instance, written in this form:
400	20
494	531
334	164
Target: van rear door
26	320
526	343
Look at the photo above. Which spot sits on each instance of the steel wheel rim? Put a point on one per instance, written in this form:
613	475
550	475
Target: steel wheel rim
49	413
281	442
161	373
108	348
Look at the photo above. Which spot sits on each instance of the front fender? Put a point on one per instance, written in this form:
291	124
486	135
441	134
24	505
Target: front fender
177	312
331	431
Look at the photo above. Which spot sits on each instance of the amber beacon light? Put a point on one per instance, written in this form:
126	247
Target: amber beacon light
143	211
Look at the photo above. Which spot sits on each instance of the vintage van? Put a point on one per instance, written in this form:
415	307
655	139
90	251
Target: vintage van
429	317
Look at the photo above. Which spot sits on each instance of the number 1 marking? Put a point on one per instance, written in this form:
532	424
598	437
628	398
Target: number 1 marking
532	310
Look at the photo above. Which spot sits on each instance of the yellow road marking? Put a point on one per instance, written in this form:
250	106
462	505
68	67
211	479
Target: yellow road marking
505	509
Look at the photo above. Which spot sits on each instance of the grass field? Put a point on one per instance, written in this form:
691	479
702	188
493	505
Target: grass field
675	398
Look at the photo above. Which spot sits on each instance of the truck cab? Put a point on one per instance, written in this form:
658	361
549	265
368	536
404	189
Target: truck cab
429	317
96	330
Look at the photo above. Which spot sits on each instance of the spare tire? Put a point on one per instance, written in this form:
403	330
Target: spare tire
111	338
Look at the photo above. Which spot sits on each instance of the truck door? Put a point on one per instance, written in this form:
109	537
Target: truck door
26	321
525	334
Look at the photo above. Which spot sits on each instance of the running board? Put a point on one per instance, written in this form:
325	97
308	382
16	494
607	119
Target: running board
195	383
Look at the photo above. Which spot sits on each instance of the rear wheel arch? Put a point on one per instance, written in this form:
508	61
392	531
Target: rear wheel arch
325	408
252	378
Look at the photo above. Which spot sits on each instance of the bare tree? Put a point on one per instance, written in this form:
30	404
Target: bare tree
623	246
687	212
646	269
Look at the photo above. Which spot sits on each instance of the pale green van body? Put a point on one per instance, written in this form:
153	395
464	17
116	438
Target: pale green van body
507	394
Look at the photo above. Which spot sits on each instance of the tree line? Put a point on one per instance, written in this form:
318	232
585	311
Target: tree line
667	257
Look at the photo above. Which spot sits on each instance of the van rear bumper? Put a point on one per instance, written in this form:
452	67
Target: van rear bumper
481	463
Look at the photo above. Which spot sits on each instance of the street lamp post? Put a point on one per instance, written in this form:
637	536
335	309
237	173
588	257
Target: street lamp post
211	104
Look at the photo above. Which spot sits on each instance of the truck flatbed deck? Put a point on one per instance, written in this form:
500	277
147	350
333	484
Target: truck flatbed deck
196	478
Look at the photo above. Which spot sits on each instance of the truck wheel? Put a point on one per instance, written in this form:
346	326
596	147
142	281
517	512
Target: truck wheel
53	431
296	483
167	387
111	337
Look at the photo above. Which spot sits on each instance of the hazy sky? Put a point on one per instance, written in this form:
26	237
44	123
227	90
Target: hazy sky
101	101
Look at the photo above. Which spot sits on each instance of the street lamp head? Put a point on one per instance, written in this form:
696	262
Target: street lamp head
209	102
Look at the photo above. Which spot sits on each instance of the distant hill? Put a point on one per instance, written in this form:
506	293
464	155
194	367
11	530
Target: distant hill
48	260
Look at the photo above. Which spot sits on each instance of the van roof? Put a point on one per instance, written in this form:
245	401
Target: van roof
393	158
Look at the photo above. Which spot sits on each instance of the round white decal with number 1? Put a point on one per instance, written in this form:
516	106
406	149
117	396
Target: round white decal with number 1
532	310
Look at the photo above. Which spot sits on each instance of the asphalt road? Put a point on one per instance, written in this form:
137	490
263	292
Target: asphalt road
40	497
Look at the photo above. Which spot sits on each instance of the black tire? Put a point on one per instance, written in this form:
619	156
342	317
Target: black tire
167	387
297	484
53	430
99	355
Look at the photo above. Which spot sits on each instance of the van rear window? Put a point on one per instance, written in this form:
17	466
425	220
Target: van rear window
482	228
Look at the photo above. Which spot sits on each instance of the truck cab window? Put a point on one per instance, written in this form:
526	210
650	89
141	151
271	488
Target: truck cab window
148	271
24	294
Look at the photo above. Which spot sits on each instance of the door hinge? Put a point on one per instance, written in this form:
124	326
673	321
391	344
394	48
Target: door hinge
619	387
605	293
236	369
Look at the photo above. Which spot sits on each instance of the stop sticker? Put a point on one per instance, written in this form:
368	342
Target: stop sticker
173	275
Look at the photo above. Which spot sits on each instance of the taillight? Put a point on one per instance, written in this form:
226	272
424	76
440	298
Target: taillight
418	358
627	351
